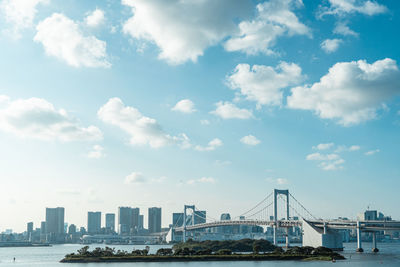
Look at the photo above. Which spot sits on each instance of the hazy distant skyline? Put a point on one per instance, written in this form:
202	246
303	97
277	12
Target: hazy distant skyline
151	103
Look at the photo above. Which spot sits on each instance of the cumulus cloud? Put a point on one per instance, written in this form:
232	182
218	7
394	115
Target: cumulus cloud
328	162
227	110
324	146
351	92
143	130
205	122
184	106
39	119
183	29
331	45
372	152
62	38
212	145
274	18
264	84
202	180
343	148
342	29
96	152
95	18
344	7
135	178
250	140
20	13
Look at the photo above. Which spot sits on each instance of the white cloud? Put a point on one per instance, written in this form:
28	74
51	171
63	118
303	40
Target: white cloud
274	19
372	152
264	84
324	146
278	181
96	152
95	18
343	7
62	38
347	149
331	45
332	165
143	130
227	110
135	178
342	28
202	180
185	106
205	122
322	157
351	92
250	140
328	162
183	29
222	162
212	145
20	13
37	118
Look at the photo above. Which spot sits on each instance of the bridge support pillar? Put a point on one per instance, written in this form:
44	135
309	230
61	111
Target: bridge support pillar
374	247
287	238
275	235
359	242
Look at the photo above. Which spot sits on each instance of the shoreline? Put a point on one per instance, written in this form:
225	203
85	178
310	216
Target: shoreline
233	257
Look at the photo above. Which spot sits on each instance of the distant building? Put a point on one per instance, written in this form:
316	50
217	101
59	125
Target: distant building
29	227
94	222
154	220
72	229
124	220
135	219
55	224
110	221
141	221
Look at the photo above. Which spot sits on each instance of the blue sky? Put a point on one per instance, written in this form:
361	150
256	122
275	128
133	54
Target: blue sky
166	103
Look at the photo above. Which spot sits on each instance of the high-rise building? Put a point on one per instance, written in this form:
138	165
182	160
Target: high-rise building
55	220
124	220
141	221
135	219
29	227
154	222
72	229
94	222
55	224
110	221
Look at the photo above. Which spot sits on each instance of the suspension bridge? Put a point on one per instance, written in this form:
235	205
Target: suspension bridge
316	232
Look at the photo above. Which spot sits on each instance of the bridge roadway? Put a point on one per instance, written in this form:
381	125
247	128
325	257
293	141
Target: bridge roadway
365	226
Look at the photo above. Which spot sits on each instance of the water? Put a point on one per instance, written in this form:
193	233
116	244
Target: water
389	255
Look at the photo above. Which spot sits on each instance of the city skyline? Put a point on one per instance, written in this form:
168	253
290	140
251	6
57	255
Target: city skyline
201	103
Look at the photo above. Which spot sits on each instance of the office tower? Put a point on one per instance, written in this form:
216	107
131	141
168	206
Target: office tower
110	221
154	222
141	220
94	222
43	228
72	229
124	220
29	227
135	219
55	220
177	219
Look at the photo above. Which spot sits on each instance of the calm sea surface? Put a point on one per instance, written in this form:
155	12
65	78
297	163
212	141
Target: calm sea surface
389	255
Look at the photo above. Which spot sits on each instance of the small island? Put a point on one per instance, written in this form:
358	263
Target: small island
232	250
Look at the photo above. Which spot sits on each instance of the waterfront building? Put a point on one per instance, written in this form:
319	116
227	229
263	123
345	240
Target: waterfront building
94	222
55	224
141	222
154	220
124	220
110	222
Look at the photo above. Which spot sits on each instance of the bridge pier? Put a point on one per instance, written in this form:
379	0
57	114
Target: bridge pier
359	242
287	238
275	235
374	247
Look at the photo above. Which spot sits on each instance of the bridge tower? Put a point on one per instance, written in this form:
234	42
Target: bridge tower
278	192
192	207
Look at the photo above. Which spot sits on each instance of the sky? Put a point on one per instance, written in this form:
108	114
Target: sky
160	103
